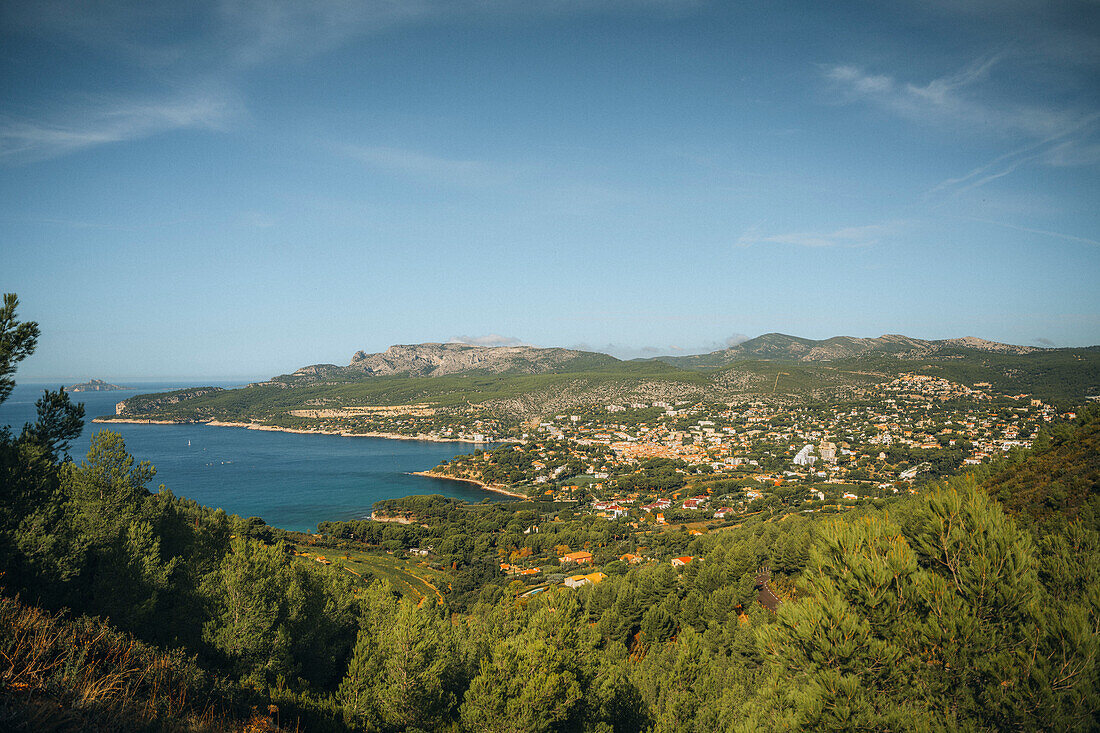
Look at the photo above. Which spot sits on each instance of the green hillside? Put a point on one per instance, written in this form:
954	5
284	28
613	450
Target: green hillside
1060	480
272	400
772	365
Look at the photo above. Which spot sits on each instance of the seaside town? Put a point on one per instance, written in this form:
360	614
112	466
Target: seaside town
663	461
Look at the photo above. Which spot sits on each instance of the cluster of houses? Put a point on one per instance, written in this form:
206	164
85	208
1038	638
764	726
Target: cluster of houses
583	557
896	414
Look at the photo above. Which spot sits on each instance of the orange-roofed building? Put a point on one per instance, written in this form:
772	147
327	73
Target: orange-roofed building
578	557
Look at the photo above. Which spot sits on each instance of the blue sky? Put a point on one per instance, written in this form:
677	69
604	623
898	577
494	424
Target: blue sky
237	188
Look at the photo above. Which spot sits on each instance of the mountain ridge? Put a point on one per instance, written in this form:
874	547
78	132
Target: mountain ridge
434	359
783	347
529	380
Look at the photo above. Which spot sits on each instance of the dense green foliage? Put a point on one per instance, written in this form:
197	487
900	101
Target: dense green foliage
1056	484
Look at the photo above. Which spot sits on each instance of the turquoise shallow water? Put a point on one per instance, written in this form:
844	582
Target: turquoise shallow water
290	480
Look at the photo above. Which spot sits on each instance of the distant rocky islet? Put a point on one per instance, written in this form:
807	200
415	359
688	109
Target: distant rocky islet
96	385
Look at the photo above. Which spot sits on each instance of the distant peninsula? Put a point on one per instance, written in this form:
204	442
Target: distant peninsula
476	394
95	385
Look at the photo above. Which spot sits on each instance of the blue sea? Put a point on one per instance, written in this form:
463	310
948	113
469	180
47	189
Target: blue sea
289	480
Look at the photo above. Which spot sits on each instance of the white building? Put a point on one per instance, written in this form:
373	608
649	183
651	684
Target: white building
804	458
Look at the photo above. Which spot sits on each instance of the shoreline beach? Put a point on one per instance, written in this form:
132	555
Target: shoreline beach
481	484
300	431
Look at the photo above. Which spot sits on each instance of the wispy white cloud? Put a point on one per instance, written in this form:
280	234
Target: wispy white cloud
859	81
256	31
947	100
218	42
492	339
1072	153
108	122
735	340
1055	136
1064	149
1032	230
861	236
627	351
232	34
425	167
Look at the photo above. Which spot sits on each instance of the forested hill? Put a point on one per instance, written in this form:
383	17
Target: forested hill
1059	481
1062	374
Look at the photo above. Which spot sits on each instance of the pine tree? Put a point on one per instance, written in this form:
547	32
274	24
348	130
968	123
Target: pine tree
943	626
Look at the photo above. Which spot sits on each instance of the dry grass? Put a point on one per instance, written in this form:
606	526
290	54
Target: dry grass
60	674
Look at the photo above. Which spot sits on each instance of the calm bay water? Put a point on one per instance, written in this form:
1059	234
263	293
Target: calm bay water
290	480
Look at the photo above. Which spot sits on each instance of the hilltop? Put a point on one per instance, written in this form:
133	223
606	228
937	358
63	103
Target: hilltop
438	360
781	347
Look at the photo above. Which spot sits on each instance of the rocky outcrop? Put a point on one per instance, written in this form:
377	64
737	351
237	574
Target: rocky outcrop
973	342
437	360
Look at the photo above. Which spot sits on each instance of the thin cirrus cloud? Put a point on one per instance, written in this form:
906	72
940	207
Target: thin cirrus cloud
255	31
221	40
1056	137
221	34
231	35
1054	151
1033	230
102	123
861	236
945	100
492	339
412	164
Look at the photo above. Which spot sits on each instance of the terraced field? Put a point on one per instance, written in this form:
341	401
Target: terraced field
410	578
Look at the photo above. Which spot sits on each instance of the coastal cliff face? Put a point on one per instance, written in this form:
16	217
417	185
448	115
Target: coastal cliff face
436	360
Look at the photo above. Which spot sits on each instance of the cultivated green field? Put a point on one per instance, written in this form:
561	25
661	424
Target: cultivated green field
412	579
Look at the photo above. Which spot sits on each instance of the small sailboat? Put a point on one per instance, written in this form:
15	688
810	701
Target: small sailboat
189	444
